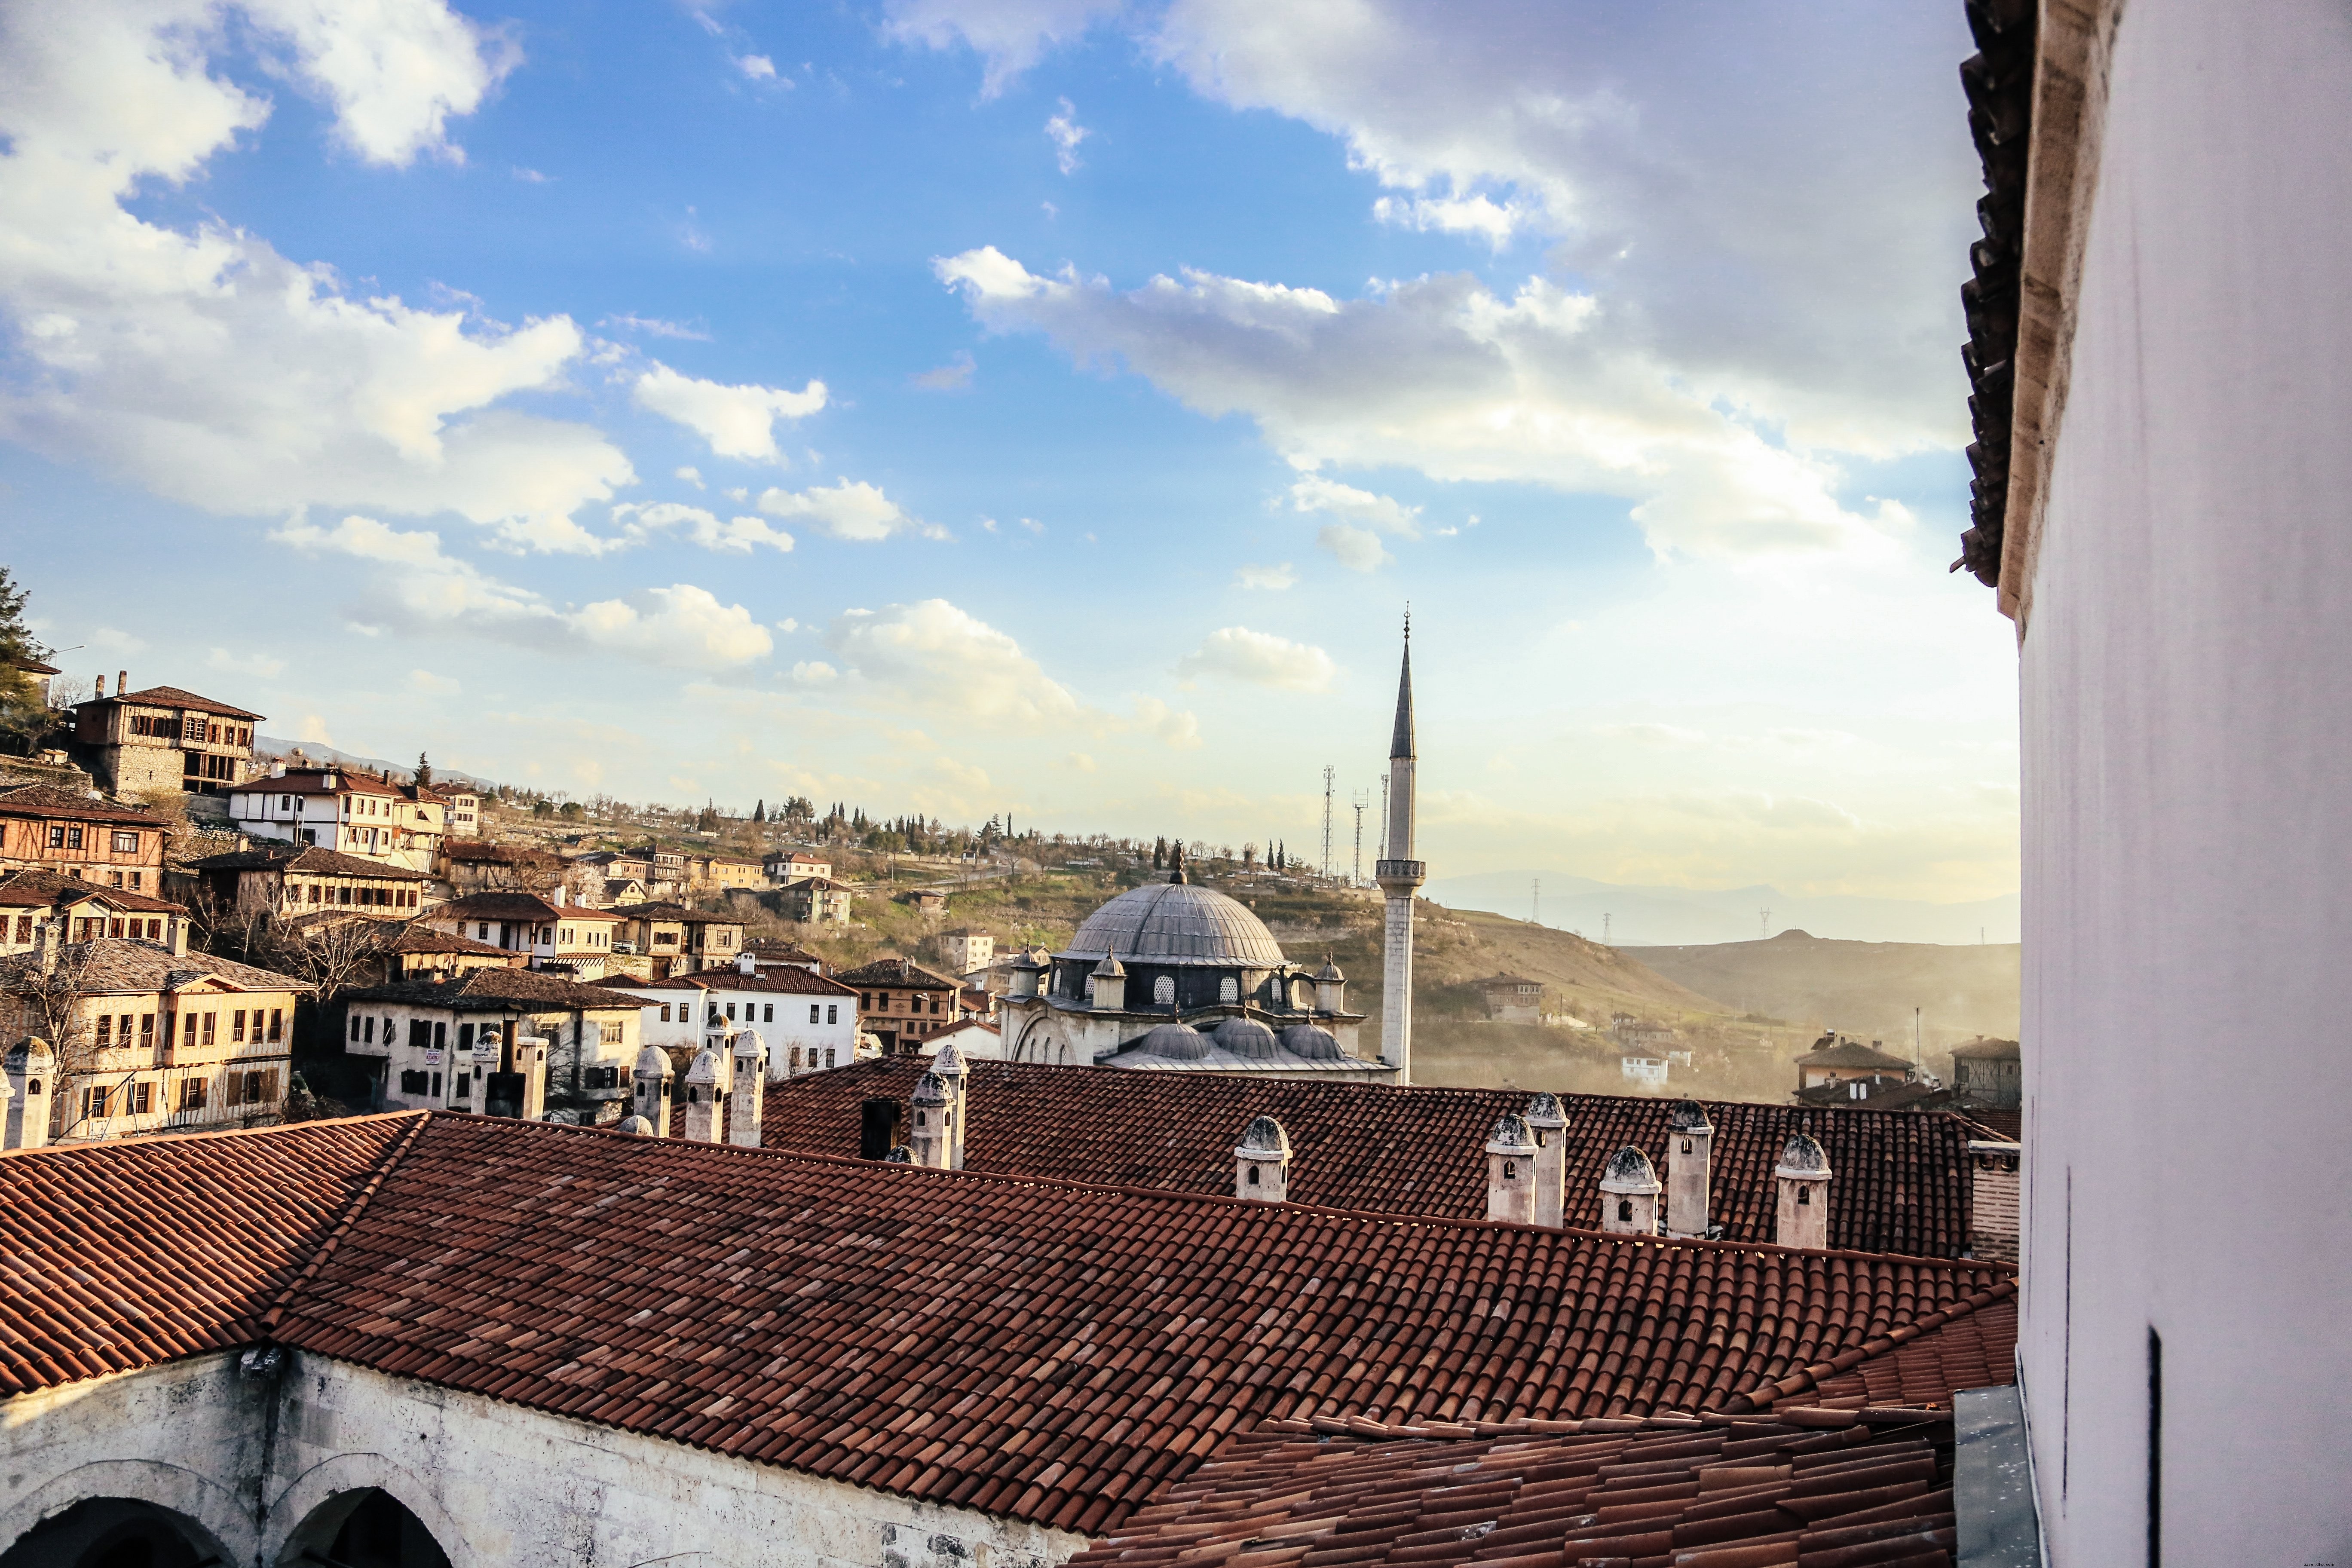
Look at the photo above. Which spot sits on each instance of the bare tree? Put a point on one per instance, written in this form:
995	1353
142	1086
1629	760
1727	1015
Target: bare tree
333	952
46	990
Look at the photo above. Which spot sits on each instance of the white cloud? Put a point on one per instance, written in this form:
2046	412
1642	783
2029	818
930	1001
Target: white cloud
426	589
1444	375
739	534
1313	492
1260	658
1177	728
1274	579
759	67
654	327
1033	526
692	476
1064	133
201	364
1010	35
738	421
1356	549
848	509
1494	222
953	376
248	663
528	177
934	654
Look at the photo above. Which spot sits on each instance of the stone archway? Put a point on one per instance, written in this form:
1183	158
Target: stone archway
115	1532
366	1526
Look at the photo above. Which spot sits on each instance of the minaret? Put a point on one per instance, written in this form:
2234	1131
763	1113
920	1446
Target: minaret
1400	875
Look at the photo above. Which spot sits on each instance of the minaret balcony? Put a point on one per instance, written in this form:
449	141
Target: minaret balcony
1412	872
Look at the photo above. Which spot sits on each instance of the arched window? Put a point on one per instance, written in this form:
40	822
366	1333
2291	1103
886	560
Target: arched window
367	1527
1804	1196
1626	1209
1253	1175
1163	991
1687	1146
1510	1170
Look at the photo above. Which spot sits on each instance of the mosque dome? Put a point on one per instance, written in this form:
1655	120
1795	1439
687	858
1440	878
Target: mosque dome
1311	1042
1177	924
1248	1040
1175	1043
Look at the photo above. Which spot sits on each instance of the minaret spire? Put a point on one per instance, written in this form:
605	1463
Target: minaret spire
1400	875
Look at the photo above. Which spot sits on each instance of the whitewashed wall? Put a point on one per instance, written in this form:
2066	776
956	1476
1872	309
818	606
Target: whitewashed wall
496	1484
2187	687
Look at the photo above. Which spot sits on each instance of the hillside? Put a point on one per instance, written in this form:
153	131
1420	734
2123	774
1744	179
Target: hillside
1867	989
1653	916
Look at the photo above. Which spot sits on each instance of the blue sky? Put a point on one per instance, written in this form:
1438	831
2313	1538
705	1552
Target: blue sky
1037	404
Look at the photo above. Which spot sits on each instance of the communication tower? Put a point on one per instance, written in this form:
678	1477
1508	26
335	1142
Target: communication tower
1326	822
1358	800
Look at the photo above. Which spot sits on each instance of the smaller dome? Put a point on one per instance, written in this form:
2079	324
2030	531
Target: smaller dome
652	1062
1175	1042
705	1069
1330	973
1545	1111
930	1090
948	1061
1629	1170
638	1126
1510	1136
1264	1139
1311	1042
1248	1040
1109	969
1688	1116
1803	1157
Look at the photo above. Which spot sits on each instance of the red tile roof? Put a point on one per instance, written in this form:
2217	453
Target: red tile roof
172	696
1053	1353
1657	1492
900	972
497	990
308	858
52	804
495	906
42	890
122	1254
1900	1183
780	977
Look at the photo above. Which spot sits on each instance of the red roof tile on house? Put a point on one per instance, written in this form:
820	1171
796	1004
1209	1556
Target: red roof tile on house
783	978
123	1255
172	696
1901	1179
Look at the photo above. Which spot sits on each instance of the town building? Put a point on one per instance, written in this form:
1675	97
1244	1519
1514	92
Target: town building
580	939
806	1021
474	865
463	815
35	906
296	879
783	866
45	828
901	1003
1645	1035
1839	1065
1512	998
925	902
817	900
345	810
1176	977
765	950
436	1043
139	1038
162	738
710	873
965	952
676	940
1987	1075
410	950
498	1343
974	1039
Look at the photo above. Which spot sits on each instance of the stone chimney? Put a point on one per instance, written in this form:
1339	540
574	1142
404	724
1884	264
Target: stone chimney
1330	988
175	934
744	965
1992	1199
277	769
531	1054
650	1089
1804	1173
1690	1140
948	1066
1262	1162
927	1139
745	1102
101	685
1547	1120
1511	1169
704	1085
1110	985
122	681
1629	1194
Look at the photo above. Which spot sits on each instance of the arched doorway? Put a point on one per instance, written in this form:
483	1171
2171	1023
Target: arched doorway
367	1528
115	1532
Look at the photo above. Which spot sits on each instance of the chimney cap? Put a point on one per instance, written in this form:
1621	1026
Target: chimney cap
1263	1139
705	1069
1688	1116
652	1061
948	1061
1629	1171
1803	1158
636	1126
745	965
1109	968
930	1090
1545	1111
1510	1135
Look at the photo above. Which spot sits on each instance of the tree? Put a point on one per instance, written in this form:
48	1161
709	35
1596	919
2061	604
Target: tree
25	720
760	811
424	771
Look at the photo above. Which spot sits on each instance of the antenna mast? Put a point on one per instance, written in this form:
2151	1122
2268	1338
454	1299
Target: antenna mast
1326	822
1359	800
1535	900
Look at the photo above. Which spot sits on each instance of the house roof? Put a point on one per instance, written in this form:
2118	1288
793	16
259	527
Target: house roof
43	890
481	851
313	781
1852	1054
1659	1491
904	973
780	978
48	800
309	859
496	991
172	696
582	912
1070	1348
677	913
415	936
1902	1182
177	1246
777	950
1981	1050
498	906
114	964
1509	980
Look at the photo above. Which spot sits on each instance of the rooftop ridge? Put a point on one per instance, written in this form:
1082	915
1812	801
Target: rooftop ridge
207	1134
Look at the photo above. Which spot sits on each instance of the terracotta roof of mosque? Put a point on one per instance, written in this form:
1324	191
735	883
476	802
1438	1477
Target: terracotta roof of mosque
1051	1353
1902	1180
174	1246
1661	1491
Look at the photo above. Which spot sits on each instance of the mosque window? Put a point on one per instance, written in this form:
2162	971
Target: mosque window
1229	989
1163	990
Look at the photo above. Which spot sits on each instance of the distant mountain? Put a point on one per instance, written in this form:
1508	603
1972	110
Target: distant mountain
1661	916
274	749
1865	989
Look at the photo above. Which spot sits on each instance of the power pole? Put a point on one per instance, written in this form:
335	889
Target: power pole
1763	923
1326	822
1359	800
1605	919
1535	900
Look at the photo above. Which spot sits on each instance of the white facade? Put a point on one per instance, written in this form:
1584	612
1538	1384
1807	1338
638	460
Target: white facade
435	1058
2186	740
804	1033
342	812
497	1485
